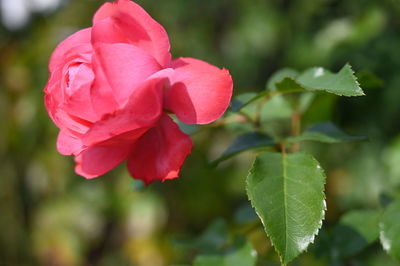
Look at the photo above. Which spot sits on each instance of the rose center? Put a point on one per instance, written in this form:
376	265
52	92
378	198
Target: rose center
78	75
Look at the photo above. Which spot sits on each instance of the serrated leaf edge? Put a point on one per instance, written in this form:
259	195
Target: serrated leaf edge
322	217
353	77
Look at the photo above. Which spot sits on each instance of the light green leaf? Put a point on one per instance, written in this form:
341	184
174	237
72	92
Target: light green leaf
276	108
209	260
245	142
365	222
343	83
390	230
242	255
355	231
287	192
280	75
325	132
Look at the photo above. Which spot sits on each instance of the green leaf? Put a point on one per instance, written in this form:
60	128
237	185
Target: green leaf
356	230
237	104
248	141
289	85
325	132
245	214
214	237
275	109
240	255
279	83
365	222
280	75
343	83
390	230
188	128
287	192
242	100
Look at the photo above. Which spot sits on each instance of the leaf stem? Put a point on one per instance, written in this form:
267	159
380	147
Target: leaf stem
257	117
296	128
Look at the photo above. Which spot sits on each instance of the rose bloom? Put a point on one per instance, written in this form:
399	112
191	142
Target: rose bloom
112	86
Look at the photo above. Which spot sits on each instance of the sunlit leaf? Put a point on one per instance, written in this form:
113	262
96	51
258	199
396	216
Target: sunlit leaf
287	192
245	142
325	132
390	230
343	83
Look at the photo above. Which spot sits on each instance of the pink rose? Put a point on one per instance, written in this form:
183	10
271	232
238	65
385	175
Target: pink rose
111	87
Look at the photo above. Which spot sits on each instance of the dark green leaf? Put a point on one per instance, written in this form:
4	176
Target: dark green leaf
343	83
390	230
213	237
325	132
385	199
188	128
241	100
369	80
245	214
237	104
289	85
287	192
245	142
241	255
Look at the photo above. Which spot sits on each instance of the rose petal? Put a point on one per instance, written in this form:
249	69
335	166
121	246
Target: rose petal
101	93
125	66
200	93
160	152
79	38
71	123
77	99
68	144
126	21
142	111
102	157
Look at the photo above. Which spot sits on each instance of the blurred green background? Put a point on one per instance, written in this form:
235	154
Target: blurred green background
51	216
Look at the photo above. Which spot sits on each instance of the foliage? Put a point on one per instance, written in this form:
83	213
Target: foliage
50	216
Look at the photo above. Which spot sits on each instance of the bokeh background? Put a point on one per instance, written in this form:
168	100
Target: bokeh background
51	216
